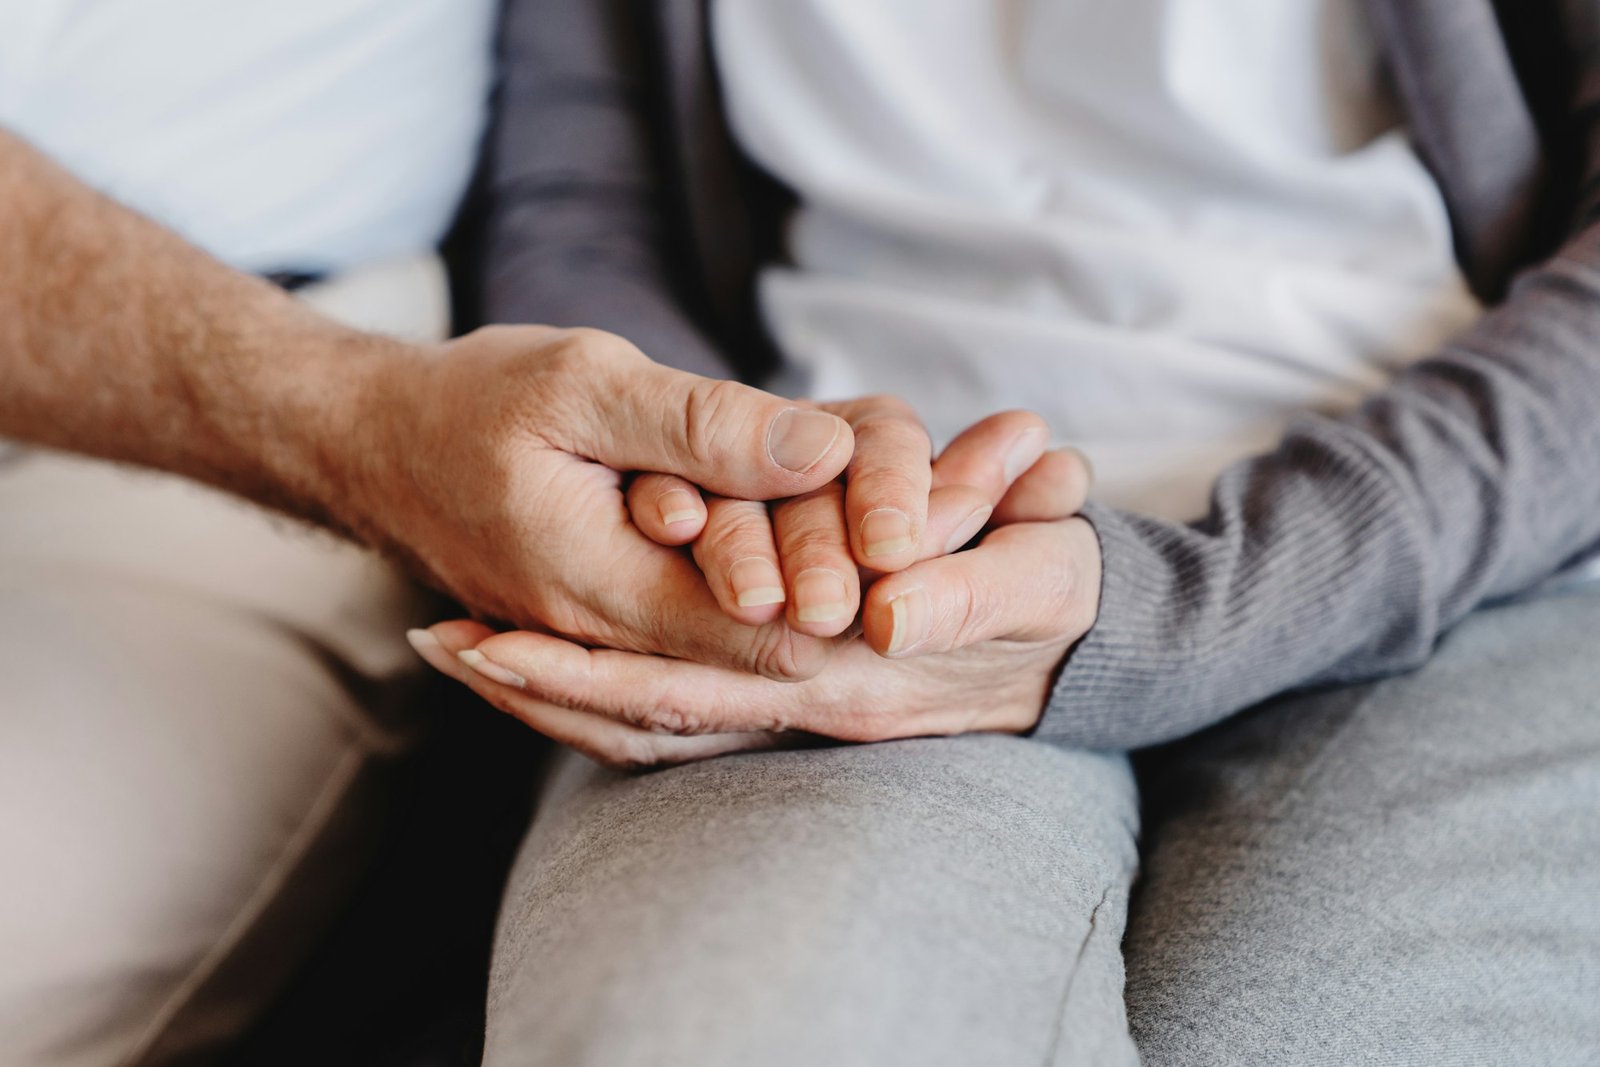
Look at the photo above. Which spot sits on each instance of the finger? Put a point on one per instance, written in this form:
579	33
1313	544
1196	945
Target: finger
739	559
636	595
887	482
993	453
1027	582
814	547
450	649
652	693
975	473
1053	488
691	700
723	436
666	509
956	514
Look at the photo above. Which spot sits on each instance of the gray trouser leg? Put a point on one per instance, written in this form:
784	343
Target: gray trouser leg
924	902
1402	873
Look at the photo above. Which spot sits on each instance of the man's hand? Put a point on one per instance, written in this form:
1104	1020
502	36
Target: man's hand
951	645
494	472
489	463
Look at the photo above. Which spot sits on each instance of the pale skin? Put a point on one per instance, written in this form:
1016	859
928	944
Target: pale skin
937	644
950	644
119	340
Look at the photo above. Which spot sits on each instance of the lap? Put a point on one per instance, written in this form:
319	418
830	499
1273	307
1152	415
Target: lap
1400	872
192	734
946	901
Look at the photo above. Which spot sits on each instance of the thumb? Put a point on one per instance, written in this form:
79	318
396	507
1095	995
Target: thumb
1036	581
724	436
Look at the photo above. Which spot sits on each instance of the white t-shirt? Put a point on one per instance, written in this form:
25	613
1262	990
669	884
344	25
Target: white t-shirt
1166	225
291	134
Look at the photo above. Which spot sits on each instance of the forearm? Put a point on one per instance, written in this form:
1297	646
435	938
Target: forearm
1345	553
119	340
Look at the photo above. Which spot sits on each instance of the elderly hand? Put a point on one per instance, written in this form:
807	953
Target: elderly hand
799	558
493	469
950	644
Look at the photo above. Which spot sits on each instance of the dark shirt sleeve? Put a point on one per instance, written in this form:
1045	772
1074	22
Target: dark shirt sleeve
577	233
1346	552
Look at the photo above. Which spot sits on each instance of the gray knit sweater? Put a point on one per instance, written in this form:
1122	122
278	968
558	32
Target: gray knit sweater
616	200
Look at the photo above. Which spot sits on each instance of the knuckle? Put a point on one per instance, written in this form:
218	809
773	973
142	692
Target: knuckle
891	417
669	711
875	433
709	409
668	716
884	485
974	613
583	353
781	654
815	544
602	344
733	533
565	357
886	406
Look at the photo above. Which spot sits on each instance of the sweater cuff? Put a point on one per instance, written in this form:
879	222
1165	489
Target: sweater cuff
1131	681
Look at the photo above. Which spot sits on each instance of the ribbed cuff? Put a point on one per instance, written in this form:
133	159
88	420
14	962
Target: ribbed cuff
1116	689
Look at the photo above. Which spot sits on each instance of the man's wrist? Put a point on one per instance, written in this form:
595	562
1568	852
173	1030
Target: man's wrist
296	415
347	425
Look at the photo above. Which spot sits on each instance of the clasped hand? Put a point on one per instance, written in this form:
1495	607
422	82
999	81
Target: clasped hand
699	567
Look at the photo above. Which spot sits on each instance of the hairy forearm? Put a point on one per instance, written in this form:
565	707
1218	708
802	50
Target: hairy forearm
120	340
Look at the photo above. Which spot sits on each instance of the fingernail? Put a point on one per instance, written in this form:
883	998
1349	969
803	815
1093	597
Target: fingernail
422	640
886	532
799	438
755	583
1025	452
820	595
490	669
677	505
908	615
968	529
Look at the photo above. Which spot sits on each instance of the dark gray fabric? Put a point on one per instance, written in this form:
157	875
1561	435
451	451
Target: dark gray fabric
1342	555
1471	125
579	229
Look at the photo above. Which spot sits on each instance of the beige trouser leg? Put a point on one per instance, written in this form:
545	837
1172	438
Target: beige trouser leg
198	705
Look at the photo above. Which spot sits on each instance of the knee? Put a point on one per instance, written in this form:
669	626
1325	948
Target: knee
731	910
989	799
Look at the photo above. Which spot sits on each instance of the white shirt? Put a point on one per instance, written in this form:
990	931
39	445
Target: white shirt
1166	225
290	134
